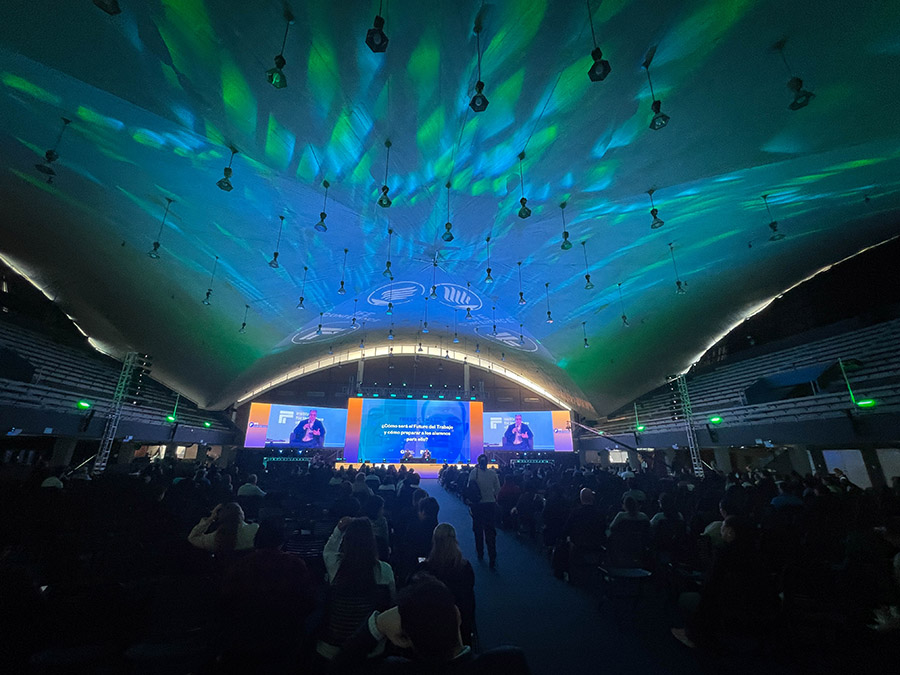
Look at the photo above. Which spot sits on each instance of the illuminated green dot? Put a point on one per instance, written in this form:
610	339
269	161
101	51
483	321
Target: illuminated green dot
640	427
170	418
83	404
715	419
866	403
207	424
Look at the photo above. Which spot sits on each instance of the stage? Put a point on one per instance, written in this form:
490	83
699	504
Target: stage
424	469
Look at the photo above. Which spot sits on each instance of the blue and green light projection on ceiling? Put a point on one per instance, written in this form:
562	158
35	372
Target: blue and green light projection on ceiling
159	93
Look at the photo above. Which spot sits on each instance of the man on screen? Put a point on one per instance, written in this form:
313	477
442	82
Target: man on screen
518	436
310	433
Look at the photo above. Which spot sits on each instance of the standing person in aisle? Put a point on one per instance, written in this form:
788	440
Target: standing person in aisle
483	506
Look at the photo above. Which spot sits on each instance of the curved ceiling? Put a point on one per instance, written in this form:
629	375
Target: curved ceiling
158	93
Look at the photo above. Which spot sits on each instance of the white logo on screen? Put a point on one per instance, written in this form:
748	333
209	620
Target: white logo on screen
285	415
496	422
398	293
459	297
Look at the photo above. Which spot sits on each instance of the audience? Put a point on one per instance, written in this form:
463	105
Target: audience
250	488
224	530
446	563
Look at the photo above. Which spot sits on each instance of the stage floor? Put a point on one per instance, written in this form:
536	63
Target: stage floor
423	469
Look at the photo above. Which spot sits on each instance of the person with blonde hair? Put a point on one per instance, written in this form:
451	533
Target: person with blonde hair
224	530
446	563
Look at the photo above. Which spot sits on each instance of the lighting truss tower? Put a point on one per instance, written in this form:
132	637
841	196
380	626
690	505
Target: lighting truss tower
687	413
115	412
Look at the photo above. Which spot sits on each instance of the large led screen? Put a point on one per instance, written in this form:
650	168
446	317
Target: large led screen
273	425
388	430
528	430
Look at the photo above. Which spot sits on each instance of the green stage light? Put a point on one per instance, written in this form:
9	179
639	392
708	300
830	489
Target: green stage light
393	395
441	396
866	403
640	427
375	395
424	395
207	424
472	399
171	418
409	396
458	398
84	404
715	419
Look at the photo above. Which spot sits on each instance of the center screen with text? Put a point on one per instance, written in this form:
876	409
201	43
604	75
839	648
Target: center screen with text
389	430
545	430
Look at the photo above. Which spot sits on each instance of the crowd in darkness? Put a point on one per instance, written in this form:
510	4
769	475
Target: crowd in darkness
209	570
183	568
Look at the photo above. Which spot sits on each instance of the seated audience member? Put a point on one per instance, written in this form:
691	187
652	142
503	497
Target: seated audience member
668	528
446	563
586	525
630	513
737	597
266	598
359	582
426	621
414	541
374	511
786	497
346	505
713	531
224	530
360	490
250	488
389	485
639	495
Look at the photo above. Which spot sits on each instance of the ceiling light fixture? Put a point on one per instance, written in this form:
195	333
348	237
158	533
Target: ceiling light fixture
660	119
341	290
321	226
224	183
52	155
303	288
773	224
353	320
455	333
622	305
547	289
448	235
802	97
477	348
375	37
387	265
584	333
211	279
362	340
154	252
521	295
273	263
434	267
521	335
524	211
566	244
600	69
494	320
654	212
479	102
425	322
384	201
275	76
390	305
680	286
390	335
488	279
319	327
469	316
588	285
243	328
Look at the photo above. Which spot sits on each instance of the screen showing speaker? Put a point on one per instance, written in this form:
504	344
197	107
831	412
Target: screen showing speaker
542	430
274	425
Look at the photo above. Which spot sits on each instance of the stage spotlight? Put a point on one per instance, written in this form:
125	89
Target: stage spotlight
243	328
588	284
489	279
84	404
448	235
275	75
387	270
300	303
479	102
433	295
384	201
224	183
469	316
660	119
600	69
802	97
524	212
776	235
390	309
375	37
715	419
321	226
207	424
657	222
566	244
